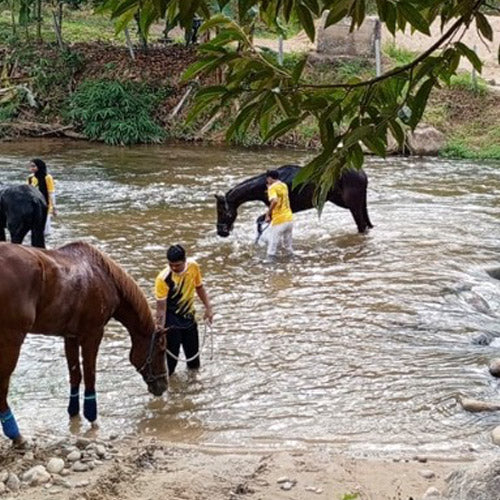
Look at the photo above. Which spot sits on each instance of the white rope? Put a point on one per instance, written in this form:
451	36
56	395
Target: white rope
187	360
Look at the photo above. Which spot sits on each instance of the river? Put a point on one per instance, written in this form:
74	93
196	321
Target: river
361	342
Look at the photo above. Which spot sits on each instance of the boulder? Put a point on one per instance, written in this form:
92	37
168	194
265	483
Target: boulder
495	436
55	465
425	141
337	40
480	481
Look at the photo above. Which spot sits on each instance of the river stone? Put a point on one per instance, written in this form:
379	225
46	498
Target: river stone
475	405
3	488
495	435
13	482
427	474
100	450
55	465
79	467
432	493
479	481
36	475
495	367
29	456
4	475
74	456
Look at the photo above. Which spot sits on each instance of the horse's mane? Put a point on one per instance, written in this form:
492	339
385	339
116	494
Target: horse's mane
126	285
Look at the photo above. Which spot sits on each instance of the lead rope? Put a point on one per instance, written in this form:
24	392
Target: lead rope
209	329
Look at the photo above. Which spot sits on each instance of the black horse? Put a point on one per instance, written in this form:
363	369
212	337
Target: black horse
349	192
22	209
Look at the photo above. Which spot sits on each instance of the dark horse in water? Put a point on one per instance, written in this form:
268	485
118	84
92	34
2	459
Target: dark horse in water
22	209
72	292
349	192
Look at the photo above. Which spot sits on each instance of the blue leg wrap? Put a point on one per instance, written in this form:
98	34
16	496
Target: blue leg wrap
90	406
74	402
9	425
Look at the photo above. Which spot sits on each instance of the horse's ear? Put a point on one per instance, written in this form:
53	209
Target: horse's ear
219	197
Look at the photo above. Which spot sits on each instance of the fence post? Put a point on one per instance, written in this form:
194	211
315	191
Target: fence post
280	50
474	74
378	36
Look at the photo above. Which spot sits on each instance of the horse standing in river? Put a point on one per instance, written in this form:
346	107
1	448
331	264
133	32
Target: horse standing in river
349	192
22	209
72	292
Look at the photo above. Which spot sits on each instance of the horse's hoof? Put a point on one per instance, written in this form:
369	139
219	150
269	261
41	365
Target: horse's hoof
20	443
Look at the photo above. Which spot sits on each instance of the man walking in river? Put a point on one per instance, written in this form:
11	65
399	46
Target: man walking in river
279	215
175	288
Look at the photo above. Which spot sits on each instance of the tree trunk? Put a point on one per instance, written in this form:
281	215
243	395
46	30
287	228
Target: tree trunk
39	21
129	44
142	38
57	29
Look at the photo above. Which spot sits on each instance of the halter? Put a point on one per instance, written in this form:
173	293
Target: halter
149	376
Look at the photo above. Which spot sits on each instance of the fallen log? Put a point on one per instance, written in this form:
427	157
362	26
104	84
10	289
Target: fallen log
37	129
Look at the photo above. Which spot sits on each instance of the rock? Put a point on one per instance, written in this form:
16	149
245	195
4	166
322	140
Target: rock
113	436
82	484
3	488
65	472
13	483
79	467
100	450
484	339
287	486
313	489
495	435
59	481
433	493
427	474
475	405
29	455
158	455
425	140
495	367
55	465
283	479
4	475
82	442
36	475
337	40
74	456
494	273
479	481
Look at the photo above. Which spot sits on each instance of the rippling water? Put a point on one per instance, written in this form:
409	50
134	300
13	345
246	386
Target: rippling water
362	342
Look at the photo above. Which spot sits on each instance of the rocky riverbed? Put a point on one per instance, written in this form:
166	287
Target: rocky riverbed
80	468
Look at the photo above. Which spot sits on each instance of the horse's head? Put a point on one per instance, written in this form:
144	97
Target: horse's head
150	363
226	215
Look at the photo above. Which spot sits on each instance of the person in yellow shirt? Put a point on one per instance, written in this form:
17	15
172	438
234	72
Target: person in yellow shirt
175	288
279	215
42	180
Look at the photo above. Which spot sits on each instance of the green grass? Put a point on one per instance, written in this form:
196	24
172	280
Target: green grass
398	56
464	81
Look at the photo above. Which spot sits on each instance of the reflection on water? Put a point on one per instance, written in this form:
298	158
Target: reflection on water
361	341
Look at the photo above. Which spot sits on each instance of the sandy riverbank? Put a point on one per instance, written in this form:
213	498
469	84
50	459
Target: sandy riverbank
140	468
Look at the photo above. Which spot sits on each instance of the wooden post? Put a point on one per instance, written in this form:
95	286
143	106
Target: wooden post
129	43
378	60
280	50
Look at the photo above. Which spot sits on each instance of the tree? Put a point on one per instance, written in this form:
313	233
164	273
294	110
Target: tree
349	114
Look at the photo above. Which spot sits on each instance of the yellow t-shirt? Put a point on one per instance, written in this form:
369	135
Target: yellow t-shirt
179	290
49	180
282	212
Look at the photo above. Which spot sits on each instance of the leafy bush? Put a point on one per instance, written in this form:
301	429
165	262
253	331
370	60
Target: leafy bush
116	112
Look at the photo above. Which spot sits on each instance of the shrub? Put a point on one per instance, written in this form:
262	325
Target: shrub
116	112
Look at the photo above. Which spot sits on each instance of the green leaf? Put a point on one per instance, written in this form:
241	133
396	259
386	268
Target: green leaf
298	69
470	55
282	128
375	145
413	16
242	121
357	156
123	7
420	101
358	133
306	20
484	26
338	11
397	132
198	67
217	20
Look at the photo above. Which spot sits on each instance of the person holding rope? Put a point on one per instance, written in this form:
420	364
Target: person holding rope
175	289
279	215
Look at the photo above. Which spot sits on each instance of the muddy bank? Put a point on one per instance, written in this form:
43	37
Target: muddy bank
136	467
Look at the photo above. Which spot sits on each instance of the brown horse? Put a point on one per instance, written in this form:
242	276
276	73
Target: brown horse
72	292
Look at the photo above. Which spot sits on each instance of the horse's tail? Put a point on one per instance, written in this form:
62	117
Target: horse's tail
40	214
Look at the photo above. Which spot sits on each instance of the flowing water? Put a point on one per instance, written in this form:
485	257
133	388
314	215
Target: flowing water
359	342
